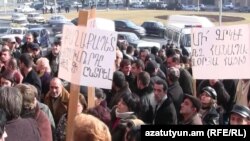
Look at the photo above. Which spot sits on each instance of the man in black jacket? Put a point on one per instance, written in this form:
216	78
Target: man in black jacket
165	112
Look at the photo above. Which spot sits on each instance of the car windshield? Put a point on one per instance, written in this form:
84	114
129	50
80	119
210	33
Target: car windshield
15	31
3	30
186	40
132	37
130	24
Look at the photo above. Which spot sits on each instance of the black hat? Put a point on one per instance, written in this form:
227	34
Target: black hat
241	110
119	79
196	102
210	91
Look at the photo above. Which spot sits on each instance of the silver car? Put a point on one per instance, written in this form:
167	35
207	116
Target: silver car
55	19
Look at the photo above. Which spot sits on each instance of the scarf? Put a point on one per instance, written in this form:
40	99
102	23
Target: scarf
123	115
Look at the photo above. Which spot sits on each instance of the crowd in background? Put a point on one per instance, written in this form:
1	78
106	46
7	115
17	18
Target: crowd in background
149	87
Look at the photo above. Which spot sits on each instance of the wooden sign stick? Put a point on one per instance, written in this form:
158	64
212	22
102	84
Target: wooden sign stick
75	89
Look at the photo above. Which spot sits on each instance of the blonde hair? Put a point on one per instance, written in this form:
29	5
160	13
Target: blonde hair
90	128
44	62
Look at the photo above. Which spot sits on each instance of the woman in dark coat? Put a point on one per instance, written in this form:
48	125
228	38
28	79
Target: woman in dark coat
125	110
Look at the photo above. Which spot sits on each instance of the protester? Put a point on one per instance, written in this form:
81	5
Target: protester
240	115
190	108
57	99
208	112
17	128
90	128
62	124
100	110
165	112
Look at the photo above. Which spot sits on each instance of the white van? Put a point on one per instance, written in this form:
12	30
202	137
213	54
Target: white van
178	30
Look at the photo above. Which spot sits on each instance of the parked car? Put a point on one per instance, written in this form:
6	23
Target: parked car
58	28
18	16
244	9
15	32
154	28
19	23
35	18
129	26
24	9
4	30
134	41
55	19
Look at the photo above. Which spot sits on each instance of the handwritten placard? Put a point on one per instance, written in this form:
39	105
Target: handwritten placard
88	56
221	52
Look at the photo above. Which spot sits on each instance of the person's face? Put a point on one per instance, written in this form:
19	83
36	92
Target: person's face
135	70
56	49
170	62
5	56
205	99
55	88
187	107
29	39
236	119
39	68
158	92
122	107
11	45
143	56
97	101
35	52
79	108
126	69
5	82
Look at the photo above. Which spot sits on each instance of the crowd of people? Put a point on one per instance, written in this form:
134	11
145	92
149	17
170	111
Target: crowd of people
149	87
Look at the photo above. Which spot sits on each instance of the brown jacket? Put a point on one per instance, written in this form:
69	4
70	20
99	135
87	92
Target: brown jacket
59	106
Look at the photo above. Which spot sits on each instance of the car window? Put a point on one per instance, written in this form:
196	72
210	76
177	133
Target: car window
118	23
132	37
15	31
145	24
130	24
3	30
